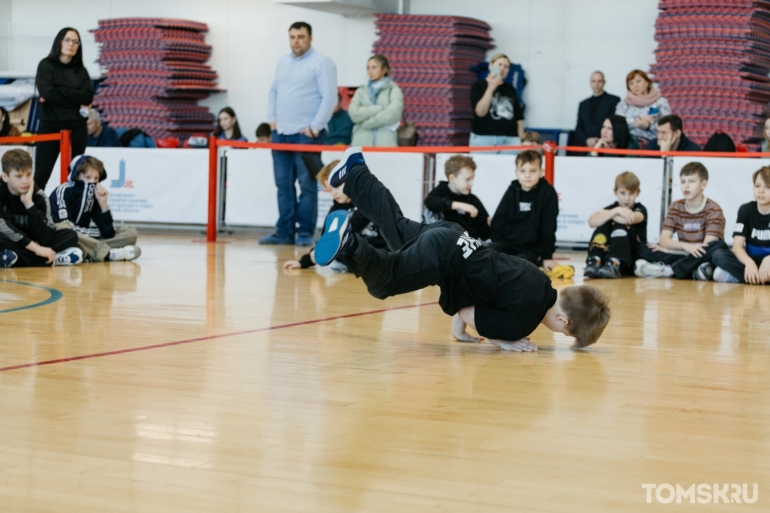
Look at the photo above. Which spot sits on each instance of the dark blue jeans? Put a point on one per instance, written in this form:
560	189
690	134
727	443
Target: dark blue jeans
295	215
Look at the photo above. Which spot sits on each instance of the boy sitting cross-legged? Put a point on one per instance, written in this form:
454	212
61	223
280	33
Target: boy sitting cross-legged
524	223
502	297
28	235
749	261
620	227
699	225
454	202
358	222
81	202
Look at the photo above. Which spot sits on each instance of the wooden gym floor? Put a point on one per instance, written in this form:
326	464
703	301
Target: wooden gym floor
203	378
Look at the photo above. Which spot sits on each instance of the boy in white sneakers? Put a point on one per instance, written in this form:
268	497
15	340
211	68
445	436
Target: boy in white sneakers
81	202
28	235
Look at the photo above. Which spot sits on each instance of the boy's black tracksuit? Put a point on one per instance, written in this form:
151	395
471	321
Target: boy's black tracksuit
440	200
524	223
613	240
19	225
511	295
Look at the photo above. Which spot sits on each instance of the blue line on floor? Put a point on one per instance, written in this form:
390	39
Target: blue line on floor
55	295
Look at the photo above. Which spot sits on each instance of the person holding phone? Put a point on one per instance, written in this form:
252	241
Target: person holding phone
642	107
498	119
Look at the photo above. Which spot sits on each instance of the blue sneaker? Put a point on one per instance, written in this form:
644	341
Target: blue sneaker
350	158
337	238
8	258
275	240
305	240
70	256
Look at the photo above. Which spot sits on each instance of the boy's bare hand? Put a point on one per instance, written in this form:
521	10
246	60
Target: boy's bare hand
467	208
26	198
695	249
764	270
550	264
101	196
292	264
47	253
751	274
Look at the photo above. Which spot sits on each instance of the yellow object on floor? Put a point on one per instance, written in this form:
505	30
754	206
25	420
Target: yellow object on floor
563	272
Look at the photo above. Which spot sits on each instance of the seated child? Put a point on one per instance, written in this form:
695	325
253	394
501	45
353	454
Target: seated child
28	235
358	221
452	201
81	202
749	261
524	224
699	225
502	297
620	227
264	133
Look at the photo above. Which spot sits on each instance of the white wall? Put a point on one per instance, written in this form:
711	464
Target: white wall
559	42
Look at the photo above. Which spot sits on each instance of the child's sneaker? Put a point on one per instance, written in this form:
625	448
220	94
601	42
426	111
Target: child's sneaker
337	238
611	269
350	158
70	256
645	269
592	267
8	258
722	276
704	272
126	253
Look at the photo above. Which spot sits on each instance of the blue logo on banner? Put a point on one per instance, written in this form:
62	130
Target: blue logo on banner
121	182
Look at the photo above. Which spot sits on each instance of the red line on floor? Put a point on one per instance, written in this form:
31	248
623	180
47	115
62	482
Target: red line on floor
202	339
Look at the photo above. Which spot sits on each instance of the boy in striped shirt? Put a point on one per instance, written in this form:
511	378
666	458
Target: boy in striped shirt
699	225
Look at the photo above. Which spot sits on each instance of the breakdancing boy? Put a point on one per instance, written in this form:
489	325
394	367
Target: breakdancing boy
502	297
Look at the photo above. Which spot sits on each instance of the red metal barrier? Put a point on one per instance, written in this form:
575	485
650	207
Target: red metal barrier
549	151
65	148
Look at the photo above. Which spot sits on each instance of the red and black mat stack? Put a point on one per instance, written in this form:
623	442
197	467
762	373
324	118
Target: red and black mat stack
713	60
156	73
430	57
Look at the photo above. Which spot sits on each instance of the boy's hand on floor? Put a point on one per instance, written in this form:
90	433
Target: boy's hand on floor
550	264
292	264
764	270
523	345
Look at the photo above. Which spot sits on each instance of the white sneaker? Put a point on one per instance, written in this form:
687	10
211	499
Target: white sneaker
645	269
126	253
70	256
723	276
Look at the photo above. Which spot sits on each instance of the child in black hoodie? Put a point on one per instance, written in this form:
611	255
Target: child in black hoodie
81	202
524	224
452	201
28	235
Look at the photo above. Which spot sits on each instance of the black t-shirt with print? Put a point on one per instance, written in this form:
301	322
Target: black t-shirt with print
504	112
755	227
637	231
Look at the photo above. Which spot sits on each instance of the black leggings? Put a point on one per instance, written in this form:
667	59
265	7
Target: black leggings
682	265
63	239
47	152
419	253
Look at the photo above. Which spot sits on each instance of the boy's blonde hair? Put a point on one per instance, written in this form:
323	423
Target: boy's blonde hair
764	172
529	157
531	137
323	174
695	168
456	163
16	160
628	181
588	312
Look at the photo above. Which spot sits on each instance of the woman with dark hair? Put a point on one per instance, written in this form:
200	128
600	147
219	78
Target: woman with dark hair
615	134
376	108
65	95
642	107
6	129
227	126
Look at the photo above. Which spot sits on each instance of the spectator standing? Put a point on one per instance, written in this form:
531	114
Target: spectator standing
65	95
340	125
300	105
642	107
592	112
498	119
228	128
377	107
99	134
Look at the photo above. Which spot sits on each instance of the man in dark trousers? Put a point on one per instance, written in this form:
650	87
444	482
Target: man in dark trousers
592	112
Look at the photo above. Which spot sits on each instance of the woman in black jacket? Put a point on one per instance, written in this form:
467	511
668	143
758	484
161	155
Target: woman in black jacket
65	94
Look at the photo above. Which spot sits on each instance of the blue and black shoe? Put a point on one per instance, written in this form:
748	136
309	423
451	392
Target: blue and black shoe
8	258
350	158
338	238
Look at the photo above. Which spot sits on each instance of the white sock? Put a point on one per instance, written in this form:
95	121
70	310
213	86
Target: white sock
668	272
